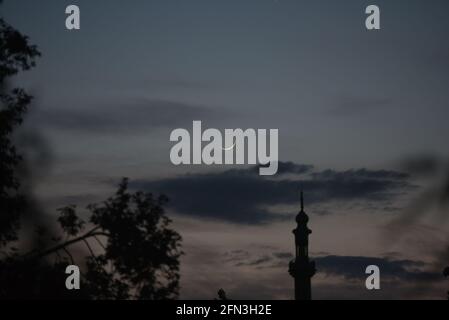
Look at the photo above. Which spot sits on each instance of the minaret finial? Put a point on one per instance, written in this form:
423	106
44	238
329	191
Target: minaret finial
302	201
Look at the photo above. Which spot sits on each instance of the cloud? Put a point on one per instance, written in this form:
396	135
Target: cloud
348	267
353	267
292	168
338	276
242	196
426	165
177	83
121	117
350	105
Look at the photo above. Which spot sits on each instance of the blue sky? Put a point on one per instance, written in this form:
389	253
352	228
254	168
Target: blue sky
311	68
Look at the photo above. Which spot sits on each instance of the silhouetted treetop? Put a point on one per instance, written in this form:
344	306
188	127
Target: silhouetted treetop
16	54
132	252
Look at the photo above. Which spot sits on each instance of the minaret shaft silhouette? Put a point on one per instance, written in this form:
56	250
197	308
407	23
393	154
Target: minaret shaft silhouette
301	268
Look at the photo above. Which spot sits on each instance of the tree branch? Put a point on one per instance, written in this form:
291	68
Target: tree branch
69	254
90	249
63	246
99	242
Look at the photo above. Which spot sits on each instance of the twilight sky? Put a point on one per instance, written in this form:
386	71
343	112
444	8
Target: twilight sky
362	119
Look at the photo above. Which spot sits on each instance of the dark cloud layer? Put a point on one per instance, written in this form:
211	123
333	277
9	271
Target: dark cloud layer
400	278
348	267
354	268
242	196
121	117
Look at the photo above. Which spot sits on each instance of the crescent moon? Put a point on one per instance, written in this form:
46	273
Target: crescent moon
230	148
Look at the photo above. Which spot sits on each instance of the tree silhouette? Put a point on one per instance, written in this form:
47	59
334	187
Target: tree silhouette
128	249
139	256
446	274
222	295
16	55
132	253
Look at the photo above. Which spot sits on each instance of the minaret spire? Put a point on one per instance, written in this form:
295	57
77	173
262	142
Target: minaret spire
301	268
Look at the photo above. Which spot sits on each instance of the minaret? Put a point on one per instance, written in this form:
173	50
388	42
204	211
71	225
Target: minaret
301	268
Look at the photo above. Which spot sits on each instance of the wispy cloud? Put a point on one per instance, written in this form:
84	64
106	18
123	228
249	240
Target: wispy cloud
122	117
354	105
